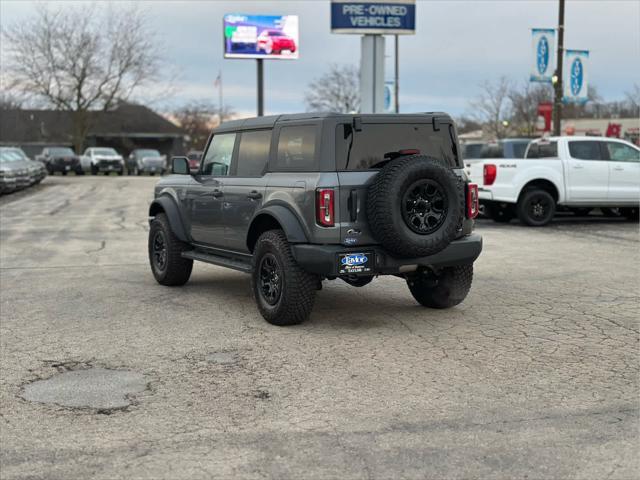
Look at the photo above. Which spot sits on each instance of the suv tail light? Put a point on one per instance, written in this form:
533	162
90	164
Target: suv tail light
473	203
325	207
489	173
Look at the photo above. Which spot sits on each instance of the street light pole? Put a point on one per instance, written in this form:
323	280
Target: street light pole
557	98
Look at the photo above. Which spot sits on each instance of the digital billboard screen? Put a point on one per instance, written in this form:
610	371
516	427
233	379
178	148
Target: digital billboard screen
261	36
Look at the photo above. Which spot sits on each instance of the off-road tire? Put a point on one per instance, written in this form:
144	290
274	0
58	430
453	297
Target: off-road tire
385	199
446	289
177	269
298	287
525	203
500	214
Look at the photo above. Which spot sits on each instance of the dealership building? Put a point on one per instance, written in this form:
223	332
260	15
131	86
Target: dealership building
125	128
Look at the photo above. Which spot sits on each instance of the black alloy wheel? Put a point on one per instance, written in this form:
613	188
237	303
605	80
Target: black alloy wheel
536	207
159	251
424	206
270	279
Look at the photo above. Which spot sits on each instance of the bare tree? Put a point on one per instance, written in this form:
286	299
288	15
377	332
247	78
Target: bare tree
197	119
81	59
335	91
493	107
9	101
633	100
524	106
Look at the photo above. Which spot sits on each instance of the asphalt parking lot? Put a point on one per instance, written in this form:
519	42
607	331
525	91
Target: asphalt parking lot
536	375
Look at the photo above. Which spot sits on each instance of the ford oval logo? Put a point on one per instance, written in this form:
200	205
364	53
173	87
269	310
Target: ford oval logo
543	55
354	259
576	76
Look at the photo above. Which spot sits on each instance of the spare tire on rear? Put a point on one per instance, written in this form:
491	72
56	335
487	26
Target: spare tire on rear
415	206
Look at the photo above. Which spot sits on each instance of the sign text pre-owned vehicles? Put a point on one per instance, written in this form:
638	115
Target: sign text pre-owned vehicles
296	199
573	172
261	36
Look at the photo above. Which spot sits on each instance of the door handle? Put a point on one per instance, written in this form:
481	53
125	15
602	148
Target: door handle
618	168
217	193
254	195
578	167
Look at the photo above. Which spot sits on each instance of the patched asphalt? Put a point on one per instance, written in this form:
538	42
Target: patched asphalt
535	375
96	388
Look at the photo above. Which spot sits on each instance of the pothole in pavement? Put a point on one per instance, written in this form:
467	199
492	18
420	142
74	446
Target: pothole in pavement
98	388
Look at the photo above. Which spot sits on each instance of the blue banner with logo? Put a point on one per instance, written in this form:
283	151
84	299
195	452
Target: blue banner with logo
575	82
543	41
373	17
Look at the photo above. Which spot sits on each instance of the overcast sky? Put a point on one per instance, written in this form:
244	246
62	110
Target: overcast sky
457	45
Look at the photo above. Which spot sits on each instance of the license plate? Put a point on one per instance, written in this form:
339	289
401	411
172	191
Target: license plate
357	262
67	167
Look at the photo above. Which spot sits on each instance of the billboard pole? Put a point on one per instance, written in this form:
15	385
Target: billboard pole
260	65
397	77
557	99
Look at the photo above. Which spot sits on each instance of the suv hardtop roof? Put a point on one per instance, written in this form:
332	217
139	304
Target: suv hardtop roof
270	120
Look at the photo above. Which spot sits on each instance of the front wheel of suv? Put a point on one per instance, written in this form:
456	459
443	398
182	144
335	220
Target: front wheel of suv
444	289
283	291
165	254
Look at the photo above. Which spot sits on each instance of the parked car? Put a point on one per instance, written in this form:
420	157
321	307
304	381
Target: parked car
37	169
295	199
578	173
274	42
14	172
146	160
194	157
102	160
60	159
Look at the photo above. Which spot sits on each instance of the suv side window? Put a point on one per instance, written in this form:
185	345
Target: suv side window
619	152
253	153
217	160
585	150
296	149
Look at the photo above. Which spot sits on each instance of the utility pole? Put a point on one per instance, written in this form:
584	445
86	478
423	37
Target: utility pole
557	98
396	86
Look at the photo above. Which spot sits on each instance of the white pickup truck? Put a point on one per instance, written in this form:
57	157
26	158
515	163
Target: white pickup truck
577	173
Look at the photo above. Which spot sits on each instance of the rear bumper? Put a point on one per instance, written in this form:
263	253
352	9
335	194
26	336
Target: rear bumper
323	259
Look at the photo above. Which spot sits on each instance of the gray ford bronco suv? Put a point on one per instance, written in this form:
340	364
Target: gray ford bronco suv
297	199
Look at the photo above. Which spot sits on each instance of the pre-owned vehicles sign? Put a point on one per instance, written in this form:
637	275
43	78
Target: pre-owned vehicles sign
261	36
373	16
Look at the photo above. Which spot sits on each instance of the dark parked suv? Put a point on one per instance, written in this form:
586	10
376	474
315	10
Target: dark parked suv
296	199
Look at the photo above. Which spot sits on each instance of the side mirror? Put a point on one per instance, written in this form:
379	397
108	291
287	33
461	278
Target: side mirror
180	166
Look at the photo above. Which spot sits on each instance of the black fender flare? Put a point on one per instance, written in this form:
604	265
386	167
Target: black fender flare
168	205
288	220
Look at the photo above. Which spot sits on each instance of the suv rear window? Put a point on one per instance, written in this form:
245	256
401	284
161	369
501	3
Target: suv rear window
375	140
543	150
296	149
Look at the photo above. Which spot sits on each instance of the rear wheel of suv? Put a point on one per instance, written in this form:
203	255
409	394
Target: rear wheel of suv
536	207
444	289
165	254
283	291
415	206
